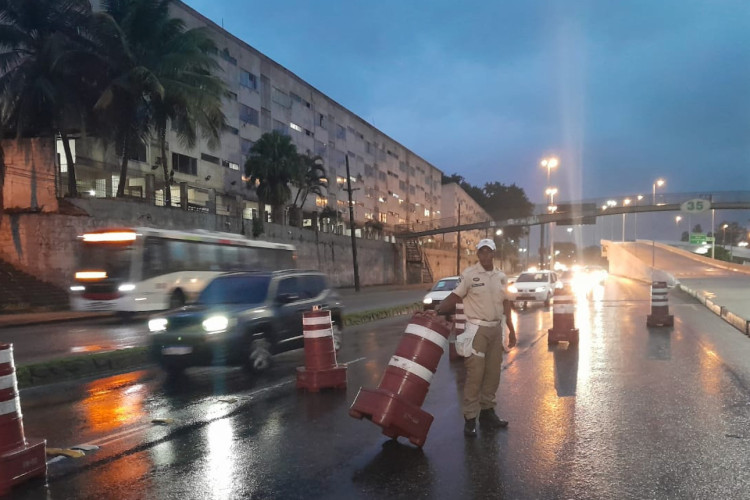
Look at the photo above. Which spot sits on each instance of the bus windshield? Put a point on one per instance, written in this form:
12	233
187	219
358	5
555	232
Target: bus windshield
114	259
235	290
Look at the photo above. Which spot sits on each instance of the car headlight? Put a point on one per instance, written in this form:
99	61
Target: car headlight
540	289
512	289
157	325
427	300
216	324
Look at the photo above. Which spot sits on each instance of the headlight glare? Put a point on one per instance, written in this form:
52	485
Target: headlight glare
215	324
157	325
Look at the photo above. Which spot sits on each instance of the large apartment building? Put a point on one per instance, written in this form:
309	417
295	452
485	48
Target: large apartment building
392	185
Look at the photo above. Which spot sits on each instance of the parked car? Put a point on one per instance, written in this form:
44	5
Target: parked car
242	318
537	286
439	292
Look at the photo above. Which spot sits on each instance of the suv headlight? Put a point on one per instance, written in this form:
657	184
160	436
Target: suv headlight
217	324
157	325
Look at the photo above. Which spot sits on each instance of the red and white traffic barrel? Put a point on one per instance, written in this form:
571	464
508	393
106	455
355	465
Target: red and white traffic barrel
396	404
563	317
20	458
659	306
321	369
459	325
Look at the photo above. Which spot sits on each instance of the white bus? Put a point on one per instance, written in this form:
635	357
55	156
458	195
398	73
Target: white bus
147	269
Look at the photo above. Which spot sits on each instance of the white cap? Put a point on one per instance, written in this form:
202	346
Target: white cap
486	243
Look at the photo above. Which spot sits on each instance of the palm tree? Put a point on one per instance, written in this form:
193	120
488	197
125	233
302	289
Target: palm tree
162	73
273	164
43	90
309	179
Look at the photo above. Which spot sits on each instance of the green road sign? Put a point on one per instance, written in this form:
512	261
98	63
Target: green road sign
698	238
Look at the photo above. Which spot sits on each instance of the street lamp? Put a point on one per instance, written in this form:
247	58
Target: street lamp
625	202
549	164
657	183
635	217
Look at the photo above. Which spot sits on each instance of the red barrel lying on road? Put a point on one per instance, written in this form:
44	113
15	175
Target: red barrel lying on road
395	404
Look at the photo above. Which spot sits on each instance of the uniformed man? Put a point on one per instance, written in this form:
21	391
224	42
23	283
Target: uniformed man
483	290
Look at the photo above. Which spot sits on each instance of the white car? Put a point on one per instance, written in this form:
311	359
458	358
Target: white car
537	286
439	292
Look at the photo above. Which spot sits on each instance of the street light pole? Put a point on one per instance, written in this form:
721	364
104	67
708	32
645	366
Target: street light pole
352	225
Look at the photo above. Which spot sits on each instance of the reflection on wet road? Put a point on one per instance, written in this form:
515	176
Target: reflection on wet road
632	412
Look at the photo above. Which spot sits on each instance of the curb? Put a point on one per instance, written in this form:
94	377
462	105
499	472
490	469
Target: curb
740	323
103	363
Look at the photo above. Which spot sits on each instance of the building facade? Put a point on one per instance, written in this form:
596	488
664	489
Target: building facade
391	184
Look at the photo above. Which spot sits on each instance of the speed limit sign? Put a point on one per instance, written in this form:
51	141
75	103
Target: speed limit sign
696	206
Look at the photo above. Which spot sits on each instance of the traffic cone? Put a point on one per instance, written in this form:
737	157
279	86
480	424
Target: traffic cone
563	317
396	404
459	325
321	369
21	459
659	306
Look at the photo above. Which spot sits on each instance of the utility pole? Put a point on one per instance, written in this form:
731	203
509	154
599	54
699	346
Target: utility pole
458	242
351	225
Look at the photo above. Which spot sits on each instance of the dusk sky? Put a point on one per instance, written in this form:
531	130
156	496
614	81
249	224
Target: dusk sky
622	91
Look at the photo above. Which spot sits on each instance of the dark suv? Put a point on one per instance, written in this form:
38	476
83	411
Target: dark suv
242	319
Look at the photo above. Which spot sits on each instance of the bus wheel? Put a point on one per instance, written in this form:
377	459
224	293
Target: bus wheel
177	299
258	356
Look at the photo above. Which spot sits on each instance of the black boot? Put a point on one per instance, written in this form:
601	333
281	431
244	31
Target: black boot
488	418
470	427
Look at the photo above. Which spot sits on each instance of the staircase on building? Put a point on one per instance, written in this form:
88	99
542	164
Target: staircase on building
418	267
21	292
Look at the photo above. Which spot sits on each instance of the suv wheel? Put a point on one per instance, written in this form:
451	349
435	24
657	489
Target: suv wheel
258	356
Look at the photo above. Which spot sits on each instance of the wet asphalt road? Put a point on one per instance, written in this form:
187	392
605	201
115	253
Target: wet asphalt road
38	343
632	412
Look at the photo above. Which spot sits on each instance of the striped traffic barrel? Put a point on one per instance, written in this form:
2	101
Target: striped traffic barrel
317	330
563	317
11	420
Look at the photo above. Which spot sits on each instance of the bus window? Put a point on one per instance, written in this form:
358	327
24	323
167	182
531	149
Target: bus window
179	256
208	257
154	261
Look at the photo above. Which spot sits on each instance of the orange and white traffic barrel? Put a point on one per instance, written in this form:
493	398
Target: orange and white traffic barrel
659	306
563	317
396	404
321	369
20	458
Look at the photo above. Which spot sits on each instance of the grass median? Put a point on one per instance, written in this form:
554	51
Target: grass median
91	365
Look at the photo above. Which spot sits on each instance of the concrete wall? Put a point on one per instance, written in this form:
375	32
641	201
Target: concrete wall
44	245
30	175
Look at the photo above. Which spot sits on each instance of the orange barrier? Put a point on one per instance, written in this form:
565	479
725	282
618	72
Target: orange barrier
396	404
321	369
659	306
563	317
21	459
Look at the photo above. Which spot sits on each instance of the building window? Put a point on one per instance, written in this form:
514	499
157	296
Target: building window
184	164
248	115
228	57
248	80
281	98
209	158
280	127
230	165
